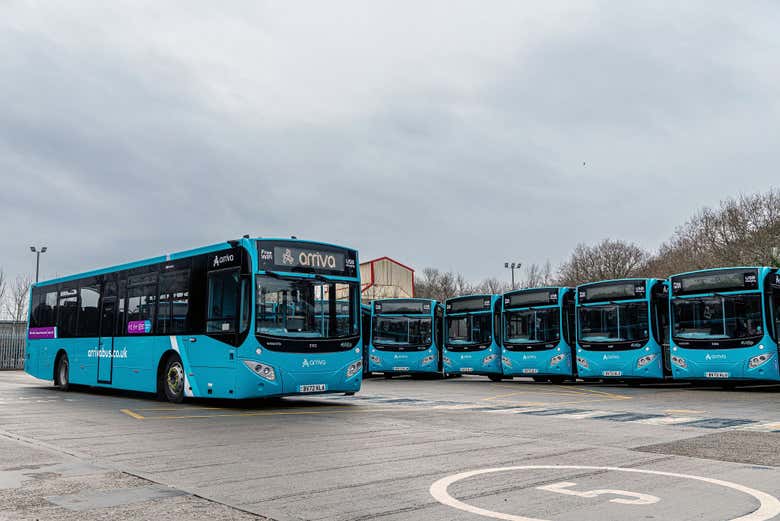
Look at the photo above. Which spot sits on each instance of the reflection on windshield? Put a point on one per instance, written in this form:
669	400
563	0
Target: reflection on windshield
532	326
470	329
402	331
718	318
305	308
614	323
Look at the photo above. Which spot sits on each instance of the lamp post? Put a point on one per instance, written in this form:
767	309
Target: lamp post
513	266
37	253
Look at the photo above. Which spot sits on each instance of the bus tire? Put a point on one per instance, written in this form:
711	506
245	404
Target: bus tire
495	378
387	376
557	379
62	373
173	379
540	379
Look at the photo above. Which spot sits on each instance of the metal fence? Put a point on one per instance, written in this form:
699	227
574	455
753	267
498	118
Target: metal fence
12	340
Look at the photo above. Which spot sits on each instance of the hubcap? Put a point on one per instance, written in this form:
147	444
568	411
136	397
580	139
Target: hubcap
175	378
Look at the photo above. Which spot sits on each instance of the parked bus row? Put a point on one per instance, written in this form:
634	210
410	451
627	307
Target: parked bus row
714	325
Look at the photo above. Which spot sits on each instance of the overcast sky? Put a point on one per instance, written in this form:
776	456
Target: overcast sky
449	134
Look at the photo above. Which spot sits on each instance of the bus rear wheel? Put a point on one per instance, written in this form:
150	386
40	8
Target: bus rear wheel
62	374
173	379
495	378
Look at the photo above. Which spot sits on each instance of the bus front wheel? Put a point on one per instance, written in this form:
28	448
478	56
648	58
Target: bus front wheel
173	379
62	374
495	378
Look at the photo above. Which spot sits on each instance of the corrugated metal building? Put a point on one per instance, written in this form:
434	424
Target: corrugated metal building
386	278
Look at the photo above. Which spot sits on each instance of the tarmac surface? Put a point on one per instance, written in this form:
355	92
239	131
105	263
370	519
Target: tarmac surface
459	449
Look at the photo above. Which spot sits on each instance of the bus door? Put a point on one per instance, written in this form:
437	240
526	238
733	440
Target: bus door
108	313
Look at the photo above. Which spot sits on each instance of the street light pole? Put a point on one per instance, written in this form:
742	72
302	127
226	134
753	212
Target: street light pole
37	253
513	266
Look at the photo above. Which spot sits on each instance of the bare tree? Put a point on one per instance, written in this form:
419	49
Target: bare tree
609	259
441	285
19	298
2	290
537	276
492	286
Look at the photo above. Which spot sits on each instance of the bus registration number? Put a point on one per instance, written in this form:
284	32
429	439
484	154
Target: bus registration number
400	368
530	371
312	388
717	374
612	373
466	369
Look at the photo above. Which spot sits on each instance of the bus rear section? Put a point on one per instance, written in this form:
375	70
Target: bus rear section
622	325
406	337
538	334
724	325
206	323
471	336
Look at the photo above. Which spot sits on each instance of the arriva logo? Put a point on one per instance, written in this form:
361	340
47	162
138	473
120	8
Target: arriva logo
611	357
400	357
715	357
313	363
221	260
529	357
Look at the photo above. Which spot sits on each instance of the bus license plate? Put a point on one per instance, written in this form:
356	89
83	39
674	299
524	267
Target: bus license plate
612	373
717	374
312	388
466	369
530	371
400	368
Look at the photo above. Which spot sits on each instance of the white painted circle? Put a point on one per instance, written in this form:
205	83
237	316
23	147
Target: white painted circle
769	505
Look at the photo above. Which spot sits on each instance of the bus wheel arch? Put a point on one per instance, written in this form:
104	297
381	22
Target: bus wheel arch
170	377
62	370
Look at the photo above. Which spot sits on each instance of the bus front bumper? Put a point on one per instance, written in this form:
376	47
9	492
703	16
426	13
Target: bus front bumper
538	363
310	378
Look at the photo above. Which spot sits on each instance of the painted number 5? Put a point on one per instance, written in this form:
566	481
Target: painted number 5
636	497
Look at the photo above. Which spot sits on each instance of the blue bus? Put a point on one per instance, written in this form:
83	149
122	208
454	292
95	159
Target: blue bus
623	330
472	342
241	319
406	337
725	324
538	334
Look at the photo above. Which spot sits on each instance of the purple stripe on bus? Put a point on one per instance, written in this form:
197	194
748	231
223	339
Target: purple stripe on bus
38	333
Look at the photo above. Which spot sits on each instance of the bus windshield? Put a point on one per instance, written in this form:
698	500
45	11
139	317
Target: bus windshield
718	317
614	322
470	329
402	331
532	326
305	308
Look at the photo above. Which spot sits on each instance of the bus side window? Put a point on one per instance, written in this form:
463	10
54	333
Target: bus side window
44	312
174	303
67	304
223	291
141	299
88	315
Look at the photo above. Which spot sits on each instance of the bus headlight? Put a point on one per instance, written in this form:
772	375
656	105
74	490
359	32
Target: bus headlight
376	359
581	361
447	361
645	360
679	362
507	361
354	368
557	359
427	360
489	358
262	370
759	360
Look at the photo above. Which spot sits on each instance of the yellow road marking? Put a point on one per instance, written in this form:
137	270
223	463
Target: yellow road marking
132	414
683	411
604	393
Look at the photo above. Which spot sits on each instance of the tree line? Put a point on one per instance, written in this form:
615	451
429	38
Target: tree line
14	297
740	231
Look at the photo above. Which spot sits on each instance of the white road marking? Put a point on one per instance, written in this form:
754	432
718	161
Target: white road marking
637	498
769	506
669	420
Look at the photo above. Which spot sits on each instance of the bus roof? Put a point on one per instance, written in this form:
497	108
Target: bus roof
629	279
722	269
175	256
540	288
